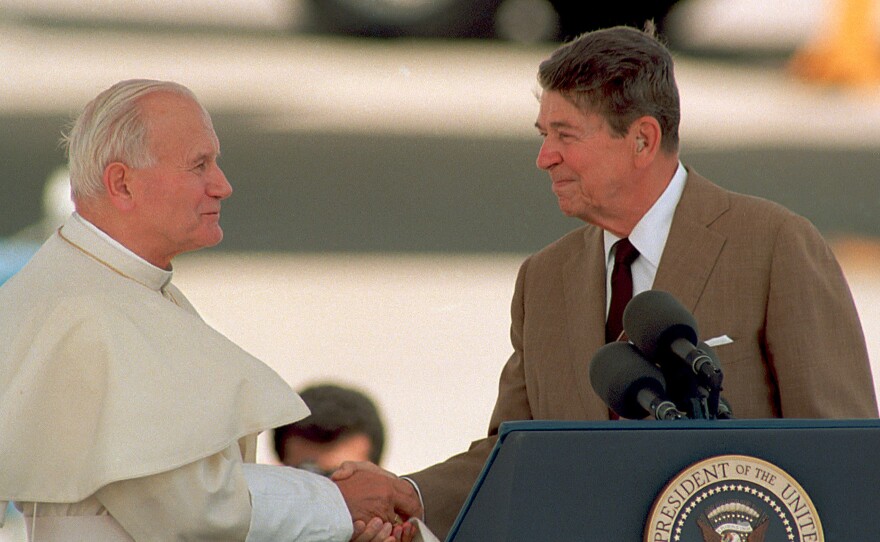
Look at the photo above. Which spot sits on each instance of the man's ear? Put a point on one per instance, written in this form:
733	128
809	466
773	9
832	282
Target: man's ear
117	182
646	137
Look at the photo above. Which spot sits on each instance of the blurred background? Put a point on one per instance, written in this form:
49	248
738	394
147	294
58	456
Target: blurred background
382	154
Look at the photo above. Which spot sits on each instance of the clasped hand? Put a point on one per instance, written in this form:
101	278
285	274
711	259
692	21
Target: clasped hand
380	503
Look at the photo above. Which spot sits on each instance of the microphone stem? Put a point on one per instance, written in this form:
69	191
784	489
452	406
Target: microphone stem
702	364
660	408
667	411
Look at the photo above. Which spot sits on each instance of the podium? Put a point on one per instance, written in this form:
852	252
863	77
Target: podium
686	480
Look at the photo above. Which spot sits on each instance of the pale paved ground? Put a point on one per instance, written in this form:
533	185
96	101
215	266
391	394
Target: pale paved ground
426	336
301	83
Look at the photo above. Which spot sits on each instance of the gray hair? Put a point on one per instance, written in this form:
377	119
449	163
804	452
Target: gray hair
621	74
112	128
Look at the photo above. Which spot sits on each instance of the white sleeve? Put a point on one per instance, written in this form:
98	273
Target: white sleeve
289	504
418	492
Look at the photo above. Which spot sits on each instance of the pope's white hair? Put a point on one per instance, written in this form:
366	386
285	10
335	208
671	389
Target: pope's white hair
113	128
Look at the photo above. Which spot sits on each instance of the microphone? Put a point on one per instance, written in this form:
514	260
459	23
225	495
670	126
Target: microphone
659	325
629	384
716	404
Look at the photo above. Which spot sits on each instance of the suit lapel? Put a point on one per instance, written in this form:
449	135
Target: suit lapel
584	289
692	249
690	255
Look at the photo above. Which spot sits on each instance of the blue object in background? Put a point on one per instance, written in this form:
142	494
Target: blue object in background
14	530
13	256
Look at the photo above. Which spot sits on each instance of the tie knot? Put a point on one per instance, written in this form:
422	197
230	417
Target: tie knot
625	253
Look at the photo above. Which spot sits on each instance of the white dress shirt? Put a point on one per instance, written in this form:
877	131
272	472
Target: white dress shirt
649	237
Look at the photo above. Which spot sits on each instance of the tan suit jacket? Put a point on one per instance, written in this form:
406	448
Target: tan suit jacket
747	268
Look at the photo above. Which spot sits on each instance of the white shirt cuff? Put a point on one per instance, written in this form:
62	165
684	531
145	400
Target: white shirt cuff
295	505
419	493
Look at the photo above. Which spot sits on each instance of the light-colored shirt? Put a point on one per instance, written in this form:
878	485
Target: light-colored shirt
648	236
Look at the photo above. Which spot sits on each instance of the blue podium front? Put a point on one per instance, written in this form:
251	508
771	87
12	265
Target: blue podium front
679	481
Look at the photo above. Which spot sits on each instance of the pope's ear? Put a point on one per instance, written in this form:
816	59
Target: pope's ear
117	180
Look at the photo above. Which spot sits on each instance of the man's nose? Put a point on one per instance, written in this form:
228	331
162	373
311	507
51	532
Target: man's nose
220	187
547	157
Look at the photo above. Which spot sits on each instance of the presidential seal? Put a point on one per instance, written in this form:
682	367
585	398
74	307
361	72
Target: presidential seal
733	498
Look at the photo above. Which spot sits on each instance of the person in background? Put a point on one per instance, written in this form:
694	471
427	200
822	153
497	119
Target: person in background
123	415
761	281
344	425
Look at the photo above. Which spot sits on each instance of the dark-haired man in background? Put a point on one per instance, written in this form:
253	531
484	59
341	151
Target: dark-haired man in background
344	425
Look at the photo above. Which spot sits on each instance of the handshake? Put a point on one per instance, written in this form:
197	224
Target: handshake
383	507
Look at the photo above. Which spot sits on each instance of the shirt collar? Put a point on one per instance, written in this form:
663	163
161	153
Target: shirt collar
650	233
110	252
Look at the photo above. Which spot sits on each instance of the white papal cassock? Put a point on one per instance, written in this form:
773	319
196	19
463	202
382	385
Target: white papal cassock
123	415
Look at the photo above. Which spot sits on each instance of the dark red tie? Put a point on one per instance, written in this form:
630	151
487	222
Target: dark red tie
621	287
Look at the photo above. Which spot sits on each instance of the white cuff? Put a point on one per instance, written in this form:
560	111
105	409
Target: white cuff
295	505
419	493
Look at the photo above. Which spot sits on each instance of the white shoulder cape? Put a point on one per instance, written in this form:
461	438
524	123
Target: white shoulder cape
103	379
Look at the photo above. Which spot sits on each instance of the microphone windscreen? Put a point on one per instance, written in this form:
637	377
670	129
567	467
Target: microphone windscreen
654	319
618	372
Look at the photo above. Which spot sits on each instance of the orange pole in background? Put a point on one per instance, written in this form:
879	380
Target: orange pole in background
847	53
